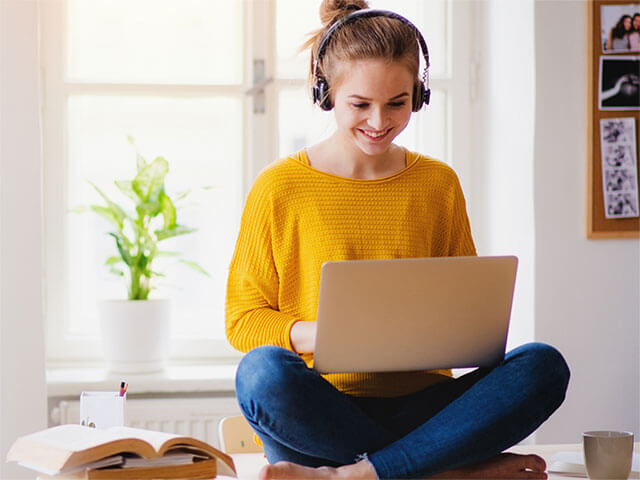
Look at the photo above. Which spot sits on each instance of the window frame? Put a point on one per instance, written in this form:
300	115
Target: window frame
260	147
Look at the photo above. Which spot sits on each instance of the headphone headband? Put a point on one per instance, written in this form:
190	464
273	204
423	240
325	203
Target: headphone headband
320	91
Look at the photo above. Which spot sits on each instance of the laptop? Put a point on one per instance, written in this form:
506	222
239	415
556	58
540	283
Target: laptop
413	313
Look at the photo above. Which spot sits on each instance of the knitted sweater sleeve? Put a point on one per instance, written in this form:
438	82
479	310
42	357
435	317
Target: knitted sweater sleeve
252	315
461	240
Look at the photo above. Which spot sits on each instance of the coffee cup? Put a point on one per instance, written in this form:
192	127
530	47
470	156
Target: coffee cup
608	454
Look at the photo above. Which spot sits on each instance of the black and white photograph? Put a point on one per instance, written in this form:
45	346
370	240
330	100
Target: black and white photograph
620	28
619	83
619	167
621	205
618	180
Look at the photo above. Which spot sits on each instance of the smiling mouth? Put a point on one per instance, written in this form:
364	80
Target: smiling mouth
375	135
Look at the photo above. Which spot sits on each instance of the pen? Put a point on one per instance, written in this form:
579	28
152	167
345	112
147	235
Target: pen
123	388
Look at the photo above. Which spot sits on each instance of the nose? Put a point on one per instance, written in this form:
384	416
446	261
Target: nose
376	117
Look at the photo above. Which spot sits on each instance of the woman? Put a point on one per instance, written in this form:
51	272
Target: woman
634	35
619	35
357	195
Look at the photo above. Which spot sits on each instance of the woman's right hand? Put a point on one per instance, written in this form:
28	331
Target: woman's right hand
303	336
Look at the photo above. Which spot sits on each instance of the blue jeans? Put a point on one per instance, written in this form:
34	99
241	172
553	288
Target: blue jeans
302	418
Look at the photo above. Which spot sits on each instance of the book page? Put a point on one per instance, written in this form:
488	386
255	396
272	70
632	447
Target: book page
155	439
72	438
67	446
52	449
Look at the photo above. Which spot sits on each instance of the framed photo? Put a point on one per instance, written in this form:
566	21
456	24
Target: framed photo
619	167
619	83
620	27
613	121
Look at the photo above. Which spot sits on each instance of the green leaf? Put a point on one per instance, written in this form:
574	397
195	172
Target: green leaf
174	232
168	213
140	161
113	260
195	266
149	209
117	272
126	256
118	212
108	214
150	179
125	187
182	195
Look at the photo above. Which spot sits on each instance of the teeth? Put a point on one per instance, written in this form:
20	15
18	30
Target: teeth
374	134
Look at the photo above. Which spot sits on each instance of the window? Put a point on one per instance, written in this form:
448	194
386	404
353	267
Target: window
174	74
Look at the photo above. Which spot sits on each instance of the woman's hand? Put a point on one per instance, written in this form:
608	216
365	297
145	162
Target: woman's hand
303	336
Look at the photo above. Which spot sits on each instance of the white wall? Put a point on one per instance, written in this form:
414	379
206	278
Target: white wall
529	197
22	379
501	201
587	291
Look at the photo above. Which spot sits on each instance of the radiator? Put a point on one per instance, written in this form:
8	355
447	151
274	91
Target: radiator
195	417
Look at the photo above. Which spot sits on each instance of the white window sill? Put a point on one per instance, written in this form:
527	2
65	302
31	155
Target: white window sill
71	381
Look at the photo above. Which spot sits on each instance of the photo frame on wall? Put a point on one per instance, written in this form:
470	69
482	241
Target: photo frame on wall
619	24
619	86
613	118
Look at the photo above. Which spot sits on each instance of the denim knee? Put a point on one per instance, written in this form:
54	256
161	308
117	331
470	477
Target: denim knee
547	363
262	375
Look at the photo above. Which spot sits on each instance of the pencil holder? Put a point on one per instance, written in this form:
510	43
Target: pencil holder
102	409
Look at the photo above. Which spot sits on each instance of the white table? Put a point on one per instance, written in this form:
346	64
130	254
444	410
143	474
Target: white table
249	464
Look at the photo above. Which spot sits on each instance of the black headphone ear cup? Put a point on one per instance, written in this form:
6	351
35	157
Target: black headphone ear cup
420	96
321	94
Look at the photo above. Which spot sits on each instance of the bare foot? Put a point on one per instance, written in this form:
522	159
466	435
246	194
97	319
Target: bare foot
362	470
503	466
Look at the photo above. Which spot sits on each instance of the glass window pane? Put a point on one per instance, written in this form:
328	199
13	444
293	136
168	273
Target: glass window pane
155	41
427	130
311	124
201	139
295	20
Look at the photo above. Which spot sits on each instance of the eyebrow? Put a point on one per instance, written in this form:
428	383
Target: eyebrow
397	97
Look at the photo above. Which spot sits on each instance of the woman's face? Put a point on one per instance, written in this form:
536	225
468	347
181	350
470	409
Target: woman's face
636	22
627	23
372	103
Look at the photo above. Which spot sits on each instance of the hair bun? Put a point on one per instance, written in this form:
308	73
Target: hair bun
332	10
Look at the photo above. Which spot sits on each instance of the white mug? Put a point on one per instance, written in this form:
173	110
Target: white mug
608	454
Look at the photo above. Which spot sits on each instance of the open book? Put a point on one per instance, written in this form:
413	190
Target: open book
75	451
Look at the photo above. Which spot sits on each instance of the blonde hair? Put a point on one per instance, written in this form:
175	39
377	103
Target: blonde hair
380	37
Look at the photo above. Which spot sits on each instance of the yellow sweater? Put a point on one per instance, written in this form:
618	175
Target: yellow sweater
296	218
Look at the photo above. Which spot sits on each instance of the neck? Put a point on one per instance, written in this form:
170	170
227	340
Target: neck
346	160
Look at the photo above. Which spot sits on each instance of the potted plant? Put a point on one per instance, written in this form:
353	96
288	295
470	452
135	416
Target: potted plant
135	332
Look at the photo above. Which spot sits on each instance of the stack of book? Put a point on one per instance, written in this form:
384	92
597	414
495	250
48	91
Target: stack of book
78	452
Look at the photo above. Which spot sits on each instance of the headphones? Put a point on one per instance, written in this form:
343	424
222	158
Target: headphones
320	89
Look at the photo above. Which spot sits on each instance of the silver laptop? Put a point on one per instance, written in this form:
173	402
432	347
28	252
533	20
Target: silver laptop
413	313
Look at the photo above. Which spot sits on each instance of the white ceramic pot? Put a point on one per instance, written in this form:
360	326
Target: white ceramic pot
135	334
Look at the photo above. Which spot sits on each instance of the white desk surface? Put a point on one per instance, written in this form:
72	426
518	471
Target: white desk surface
249	464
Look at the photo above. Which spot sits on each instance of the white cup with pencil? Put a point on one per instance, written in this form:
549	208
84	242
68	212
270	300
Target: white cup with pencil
103	409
